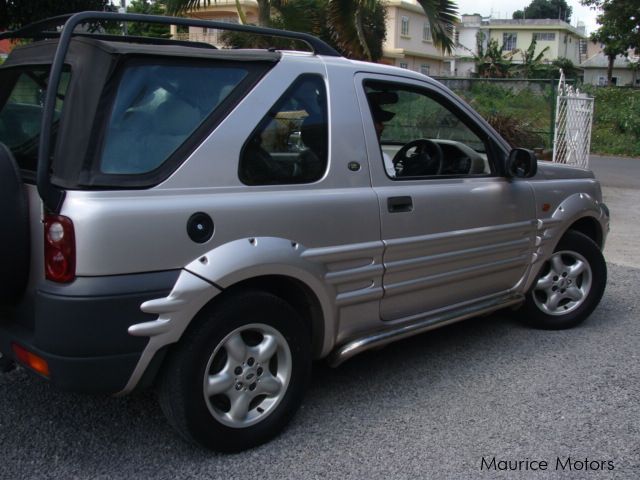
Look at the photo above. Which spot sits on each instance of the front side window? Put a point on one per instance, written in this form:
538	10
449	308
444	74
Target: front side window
421	136
157	108
291	143
21	105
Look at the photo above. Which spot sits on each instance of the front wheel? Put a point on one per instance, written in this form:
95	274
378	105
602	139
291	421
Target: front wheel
569	285
239	374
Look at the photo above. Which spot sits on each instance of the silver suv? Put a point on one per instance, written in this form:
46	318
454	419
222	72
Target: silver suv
209	222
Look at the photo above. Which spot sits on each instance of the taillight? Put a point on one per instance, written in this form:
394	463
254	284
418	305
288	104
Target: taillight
59	249
30	359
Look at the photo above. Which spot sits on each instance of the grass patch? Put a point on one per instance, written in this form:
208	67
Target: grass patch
524	116
616	121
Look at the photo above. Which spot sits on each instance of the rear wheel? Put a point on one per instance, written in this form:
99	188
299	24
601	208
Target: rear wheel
569	285
239	374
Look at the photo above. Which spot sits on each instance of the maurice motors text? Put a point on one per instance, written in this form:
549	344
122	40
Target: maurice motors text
559	463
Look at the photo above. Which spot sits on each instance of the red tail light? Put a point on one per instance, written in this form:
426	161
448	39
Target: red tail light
31	360
59	249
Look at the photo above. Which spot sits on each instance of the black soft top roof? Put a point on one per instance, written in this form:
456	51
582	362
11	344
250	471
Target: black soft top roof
94	65
42	52
52	195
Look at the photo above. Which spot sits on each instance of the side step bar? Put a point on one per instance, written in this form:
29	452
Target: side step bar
423	324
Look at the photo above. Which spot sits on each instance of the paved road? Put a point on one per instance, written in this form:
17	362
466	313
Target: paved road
617	172
428	407
620	178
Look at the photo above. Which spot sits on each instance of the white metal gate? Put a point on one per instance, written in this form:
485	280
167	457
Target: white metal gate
574	117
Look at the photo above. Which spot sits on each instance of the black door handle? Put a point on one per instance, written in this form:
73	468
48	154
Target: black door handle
399	204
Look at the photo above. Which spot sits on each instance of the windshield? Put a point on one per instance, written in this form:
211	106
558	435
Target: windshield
21	104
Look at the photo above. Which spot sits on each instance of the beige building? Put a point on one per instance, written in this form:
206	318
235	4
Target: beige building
563	40
595	70
221	11
409	42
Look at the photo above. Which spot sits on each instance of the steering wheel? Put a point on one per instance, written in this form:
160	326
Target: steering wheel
426	158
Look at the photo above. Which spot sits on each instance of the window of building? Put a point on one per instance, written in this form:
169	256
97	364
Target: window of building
544	36
291	143
404	65
404	26
509	41
583	47
424	69
426	32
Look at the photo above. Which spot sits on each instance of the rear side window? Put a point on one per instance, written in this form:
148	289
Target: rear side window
157	108
22	102
290	144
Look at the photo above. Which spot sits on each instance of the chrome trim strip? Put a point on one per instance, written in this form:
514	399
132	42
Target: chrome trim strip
423	324
375	270
476	252
344	252
372	292
456	275
524	228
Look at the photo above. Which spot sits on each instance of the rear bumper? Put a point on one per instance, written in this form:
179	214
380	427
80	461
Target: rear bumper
81	329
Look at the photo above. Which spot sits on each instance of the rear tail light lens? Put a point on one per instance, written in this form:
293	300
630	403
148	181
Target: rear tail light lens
31	360
59	249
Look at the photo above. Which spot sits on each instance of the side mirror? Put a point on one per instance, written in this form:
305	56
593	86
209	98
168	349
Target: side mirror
522	163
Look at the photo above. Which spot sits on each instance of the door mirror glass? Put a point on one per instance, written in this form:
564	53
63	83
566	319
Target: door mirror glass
522	163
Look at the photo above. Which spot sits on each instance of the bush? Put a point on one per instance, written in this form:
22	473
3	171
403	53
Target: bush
522	117
616	121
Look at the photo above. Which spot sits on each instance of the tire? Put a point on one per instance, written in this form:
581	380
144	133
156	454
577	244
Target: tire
569	285
14	230
239	374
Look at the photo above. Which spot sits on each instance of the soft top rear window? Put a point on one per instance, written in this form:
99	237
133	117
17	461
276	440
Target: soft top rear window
22	94
157	108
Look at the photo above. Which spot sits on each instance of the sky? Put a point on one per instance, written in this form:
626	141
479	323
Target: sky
505	8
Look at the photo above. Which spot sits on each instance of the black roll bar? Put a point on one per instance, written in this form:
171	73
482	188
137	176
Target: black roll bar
52	196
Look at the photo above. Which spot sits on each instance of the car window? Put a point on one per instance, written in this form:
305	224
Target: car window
421	136
290	144
21	114
157	108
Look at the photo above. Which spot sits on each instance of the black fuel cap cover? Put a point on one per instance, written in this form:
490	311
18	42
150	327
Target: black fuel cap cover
200	227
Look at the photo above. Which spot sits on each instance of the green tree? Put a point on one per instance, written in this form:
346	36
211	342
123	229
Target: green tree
619	28
490	61
147	7
17	13
530	61
545	9
347	19
350	22
311	16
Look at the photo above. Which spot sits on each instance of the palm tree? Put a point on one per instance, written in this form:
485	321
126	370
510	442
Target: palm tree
350	21
347	21
490	61
530	60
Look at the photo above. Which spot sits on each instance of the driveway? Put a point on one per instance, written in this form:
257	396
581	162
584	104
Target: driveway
620	178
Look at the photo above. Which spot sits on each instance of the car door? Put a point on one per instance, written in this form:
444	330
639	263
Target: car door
455	230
